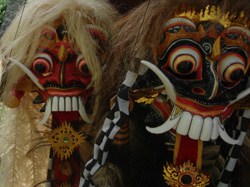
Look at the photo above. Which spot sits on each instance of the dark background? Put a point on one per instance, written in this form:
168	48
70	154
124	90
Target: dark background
124	6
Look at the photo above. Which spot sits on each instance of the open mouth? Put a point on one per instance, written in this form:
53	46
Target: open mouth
65	104
192	124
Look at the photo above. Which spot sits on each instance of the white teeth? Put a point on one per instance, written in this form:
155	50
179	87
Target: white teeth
68	104
207	129
184	123
63	104
195	127
215	131
74	104
55	104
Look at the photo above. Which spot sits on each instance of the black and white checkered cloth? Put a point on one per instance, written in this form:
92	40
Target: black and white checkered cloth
242	126
112	124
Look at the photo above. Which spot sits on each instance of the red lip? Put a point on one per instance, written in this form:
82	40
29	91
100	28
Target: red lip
202	110
65	92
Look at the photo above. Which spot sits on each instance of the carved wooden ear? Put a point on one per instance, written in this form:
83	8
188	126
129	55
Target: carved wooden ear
12	100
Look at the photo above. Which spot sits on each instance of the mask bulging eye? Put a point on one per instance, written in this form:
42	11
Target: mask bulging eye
184	64
42	64
184	60
82	66
231	68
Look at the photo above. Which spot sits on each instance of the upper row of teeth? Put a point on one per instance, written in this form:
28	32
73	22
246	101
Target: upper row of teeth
199	128
195	126
65	103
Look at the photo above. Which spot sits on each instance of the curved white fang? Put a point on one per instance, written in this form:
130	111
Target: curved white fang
47	112
240	96
169	124
28	72
167	84
223	134
226	137
82	112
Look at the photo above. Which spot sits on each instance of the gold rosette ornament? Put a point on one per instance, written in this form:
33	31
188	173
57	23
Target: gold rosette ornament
185	175
64	140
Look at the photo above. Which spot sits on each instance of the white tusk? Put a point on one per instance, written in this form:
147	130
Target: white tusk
166	82
223	134
47	112
82	112
27	71
226	137
240	96
169	124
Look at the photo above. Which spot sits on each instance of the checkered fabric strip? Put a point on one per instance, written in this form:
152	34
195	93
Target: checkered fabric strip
112	124
50	169
244	120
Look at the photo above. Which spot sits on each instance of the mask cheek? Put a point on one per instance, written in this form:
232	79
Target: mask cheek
86	80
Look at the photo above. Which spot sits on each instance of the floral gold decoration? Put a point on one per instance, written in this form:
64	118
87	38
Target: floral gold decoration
146	96
184	175
213	13
64	139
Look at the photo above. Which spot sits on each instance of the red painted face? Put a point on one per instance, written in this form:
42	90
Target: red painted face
60	69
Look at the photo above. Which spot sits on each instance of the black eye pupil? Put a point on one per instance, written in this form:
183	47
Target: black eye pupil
85	68
185	67
40	68
237	75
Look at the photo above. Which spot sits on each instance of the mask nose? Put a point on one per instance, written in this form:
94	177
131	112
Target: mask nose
208	87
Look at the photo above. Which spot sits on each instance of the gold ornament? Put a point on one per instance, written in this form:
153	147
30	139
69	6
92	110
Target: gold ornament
146	96
65	185
213	13
64	140
185	175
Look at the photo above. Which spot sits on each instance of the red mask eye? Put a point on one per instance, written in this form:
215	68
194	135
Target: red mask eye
43	64
82	66
231	68
184	60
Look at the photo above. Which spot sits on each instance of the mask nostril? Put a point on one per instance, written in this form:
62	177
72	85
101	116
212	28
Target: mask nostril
199	91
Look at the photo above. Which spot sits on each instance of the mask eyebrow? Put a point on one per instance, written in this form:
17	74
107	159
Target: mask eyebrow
179	22
238	30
